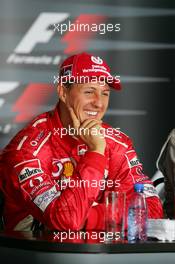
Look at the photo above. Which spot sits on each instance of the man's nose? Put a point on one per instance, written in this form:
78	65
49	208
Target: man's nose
98	101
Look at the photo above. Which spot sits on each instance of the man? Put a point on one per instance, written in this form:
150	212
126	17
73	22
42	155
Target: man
166	164
57	169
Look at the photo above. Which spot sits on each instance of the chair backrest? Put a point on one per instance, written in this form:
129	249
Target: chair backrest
1	194
166	164
1	209
158	181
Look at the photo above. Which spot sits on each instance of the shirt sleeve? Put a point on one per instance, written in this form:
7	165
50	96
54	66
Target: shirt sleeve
130	171
125	169
33	190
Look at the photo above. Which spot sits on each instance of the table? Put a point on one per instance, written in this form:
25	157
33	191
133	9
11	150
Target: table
28	247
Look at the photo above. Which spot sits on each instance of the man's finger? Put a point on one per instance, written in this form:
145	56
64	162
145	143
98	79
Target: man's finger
91	120
76	122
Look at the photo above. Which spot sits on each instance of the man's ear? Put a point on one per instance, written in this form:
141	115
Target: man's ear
62	92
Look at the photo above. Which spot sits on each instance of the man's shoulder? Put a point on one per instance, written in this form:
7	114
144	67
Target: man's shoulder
115	136
31	136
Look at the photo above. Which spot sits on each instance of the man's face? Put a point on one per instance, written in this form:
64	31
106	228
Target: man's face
88	100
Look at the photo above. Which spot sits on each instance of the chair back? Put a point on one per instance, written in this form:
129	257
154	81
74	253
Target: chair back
166	164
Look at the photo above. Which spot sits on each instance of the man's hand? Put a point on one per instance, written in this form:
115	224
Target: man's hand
91	132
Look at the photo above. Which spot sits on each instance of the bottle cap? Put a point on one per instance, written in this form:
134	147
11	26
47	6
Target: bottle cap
139	187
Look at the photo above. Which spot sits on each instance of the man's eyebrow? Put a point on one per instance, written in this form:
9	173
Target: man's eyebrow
94	88
107	89
90	87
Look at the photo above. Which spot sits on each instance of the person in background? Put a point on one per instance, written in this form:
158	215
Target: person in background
56	170
166	164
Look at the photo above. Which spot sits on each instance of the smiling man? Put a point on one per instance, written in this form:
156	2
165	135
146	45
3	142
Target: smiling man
83	107
57	169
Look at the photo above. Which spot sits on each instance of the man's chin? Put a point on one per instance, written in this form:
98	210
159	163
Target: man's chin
91	117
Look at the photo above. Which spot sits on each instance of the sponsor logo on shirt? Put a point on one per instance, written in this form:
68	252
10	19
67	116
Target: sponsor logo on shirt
132	159
68	169
63	167
149	190
134	162
81	149
139	171
28	169
40	186
38	138
35	186
28	172
142	179
36	181
57	168
44	199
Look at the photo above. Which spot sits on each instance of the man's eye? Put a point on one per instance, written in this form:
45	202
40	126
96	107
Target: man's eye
106	94
88	92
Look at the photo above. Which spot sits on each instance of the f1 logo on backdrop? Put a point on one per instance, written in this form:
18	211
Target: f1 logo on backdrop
39	33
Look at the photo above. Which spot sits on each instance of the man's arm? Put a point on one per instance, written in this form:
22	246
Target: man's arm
125	171
131	172
31	189
57	209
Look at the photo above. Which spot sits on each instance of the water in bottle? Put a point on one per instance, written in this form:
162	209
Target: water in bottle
137	216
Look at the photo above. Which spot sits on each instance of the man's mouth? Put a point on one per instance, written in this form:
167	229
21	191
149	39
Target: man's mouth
91	113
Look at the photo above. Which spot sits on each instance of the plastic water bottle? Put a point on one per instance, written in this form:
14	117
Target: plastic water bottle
137	216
